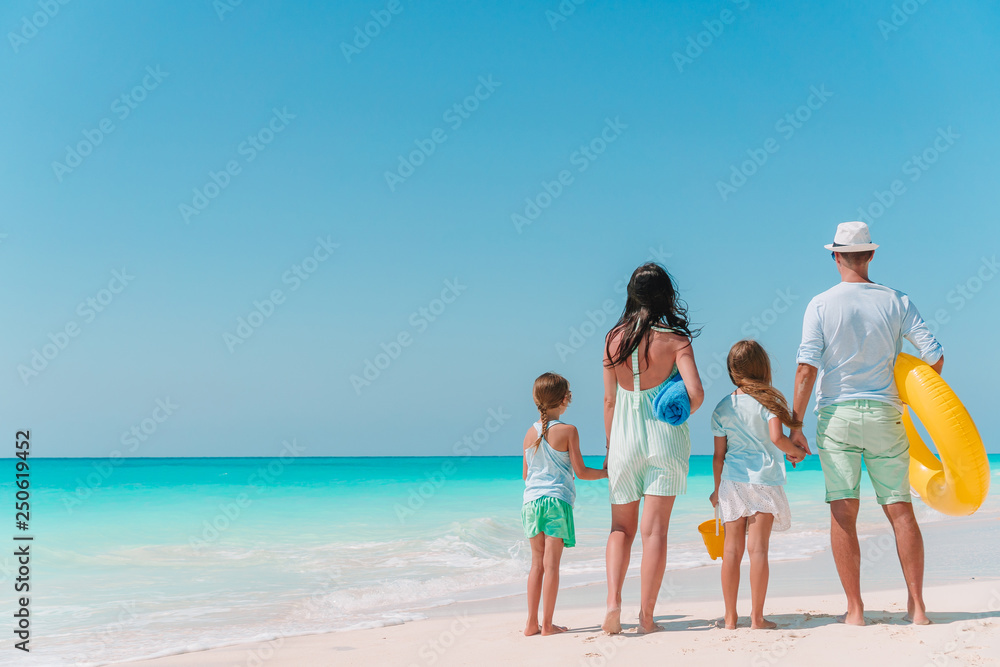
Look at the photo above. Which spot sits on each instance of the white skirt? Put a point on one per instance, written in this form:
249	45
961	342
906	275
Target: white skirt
740	499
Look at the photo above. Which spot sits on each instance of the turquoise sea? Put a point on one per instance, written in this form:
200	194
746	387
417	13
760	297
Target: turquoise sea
143	557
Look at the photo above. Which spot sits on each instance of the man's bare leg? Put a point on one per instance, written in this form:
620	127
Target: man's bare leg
910	549
847	555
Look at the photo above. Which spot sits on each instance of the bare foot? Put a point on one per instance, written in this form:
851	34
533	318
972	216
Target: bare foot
852	619
647	626
613	621
532	629
762	624
552	630
917	619
916	614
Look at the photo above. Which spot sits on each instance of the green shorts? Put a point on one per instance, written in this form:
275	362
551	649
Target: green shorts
873	431
551	516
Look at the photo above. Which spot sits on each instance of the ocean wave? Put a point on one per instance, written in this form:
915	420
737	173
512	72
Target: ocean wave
261	585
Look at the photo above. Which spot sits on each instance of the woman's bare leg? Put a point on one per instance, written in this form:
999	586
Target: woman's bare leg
655	522
624	521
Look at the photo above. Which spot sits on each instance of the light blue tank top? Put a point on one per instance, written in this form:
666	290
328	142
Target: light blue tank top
550	472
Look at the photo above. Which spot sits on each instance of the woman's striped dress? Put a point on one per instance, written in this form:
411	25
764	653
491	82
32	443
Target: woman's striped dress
646	456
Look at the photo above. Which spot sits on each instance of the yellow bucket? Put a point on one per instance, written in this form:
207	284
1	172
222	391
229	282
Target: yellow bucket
714	534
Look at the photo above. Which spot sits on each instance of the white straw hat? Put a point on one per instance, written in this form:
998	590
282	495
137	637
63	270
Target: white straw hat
852	237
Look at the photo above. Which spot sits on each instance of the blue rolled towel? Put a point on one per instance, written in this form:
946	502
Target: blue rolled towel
672	404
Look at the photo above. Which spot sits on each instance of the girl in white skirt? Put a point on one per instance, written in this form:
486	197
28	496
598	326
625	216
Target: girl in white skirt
750	473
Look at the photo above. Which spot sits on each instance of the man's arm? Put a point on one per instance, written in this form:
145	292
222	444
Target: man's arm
919	334
805	380
938	365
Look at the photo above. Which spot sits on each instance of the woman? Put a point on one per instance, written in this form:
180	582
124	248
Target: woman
647	458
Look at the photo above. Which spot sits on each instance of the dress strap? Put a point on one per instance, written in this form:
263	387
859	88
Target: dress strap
635	369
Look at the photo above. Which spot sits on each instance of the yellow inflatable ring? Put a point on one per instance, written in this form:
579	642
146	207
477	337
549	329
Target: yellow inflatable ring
958	483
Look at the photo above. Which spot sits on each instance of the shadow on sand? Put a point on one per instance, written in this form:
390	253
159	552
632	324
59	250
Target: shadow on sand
673	623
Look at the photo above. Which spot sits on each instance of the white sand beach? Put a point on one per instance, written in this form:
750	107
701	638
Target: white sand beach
962	594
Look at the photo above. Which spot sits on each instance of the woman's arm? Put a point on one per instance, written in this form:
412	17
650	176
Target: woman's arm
721	444
783	442
689	373
610	393
576	458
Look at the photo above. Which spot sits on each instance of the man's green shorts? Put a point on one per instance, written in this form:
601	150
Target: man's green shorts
850	431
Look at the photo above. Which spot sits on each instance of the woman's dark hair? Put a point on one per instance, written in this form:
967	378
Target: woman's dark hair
652	300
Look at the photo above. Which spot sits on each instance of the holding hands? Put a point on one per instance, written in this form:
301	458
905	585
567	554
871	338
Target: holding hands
798	438
800	447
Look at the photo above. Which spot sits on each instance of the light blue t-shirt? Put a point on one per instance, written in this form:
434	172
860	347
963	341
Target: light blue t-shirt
751	457
853	333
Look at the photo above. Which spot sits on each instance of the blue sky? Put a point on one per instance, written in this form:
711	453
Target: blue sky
618	123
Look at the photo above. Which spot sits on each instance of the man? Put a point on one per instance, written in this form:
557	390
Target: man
851	336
